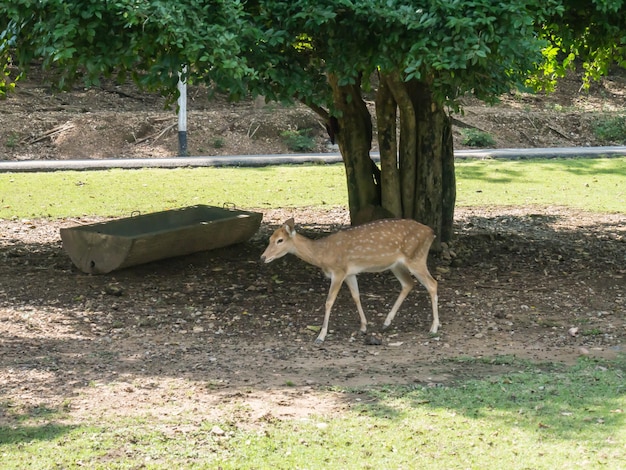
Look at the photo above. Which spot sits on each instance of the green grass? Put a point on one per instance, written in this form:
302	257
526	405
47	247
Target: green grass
120	192
532	416
590	184
597	185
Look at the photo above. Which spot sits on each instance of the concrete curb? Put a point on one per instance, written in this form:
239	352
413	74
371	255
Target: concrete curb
556	152
291	159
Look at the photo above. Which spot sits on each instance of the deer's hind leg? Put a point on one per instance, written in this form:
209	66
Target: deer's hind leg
420	270
404	276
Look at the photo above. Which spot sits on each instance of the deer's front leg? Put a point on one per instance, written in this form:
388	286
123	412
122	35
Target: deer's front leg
335	285
354	290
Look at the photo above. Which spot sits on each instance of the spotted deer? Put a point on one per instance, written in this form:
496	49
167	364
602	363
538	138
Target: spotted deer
398	245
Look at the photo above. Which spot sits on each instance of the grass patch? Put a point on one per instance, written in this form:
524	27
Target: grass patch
218	143
591	184
597	185
119	192
13	140
529	417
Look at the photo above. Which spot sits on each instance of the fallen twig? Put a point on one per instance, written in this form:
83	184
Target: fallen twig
250	135
156	136
49	133
457	122
556	131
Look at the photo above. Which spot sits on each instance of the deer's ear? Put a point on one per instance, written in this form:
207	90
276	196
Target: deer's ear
289	226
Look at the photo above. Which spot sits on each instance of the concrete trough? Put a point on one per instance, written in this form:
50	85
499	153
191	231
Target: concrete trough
107	246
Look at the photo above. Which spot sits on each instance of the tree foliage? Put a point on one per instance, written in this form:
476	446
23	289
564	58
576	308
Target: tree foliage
146	40
423	56
589	32
481	46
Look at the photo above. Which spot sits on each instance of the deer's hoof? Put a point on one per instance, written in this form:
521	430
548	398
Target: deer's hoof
319	342
386	326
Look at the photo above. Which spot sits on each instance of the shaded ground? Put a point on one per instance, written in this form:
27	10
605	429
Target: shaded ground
218	334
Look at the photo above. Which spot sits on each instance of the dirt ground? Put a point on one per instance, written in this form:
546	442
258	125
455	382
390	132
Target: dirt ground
120	122
218	335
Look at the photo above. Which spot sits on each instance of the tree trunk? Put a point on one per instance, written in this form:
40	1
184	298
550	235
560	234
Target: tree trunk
425	160
416	179
448	180
386	117
407	157
429	182
355	141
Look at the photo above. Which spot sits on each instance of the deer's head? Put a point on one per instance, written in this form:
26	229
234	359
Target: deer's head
281	242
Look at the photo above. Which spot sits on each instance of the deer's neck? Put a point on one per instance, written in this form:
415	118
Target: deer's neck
308	250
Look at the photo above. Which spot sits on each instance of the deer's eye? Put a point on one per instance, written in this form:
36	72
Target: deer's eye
279	241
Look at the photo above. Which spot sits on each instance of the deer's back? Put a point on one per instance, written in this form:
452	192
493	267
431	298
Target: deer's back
383	240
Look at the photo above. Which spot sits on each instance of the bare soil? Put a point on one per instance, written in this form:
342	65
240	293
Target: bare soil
218	335
121	122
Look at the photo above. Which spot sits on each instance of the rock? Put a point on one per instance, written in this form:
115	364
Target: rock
112	289
373	340
217	431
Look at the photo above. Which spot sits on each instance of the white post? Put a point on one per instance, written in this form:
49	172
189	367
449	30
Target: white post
182	113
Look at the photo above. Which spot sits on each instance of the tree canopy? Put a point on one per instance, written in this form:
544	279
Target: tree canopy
416	58
479	46
482	47
591	32
147	41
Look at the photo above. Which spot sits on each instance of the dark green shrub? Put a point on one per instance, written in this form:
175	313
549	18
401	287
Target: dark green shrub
477	138
610	129
298	140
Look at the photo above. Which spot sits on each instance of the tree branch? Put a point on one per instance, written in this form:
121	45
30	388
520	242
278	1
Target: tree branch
321	112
